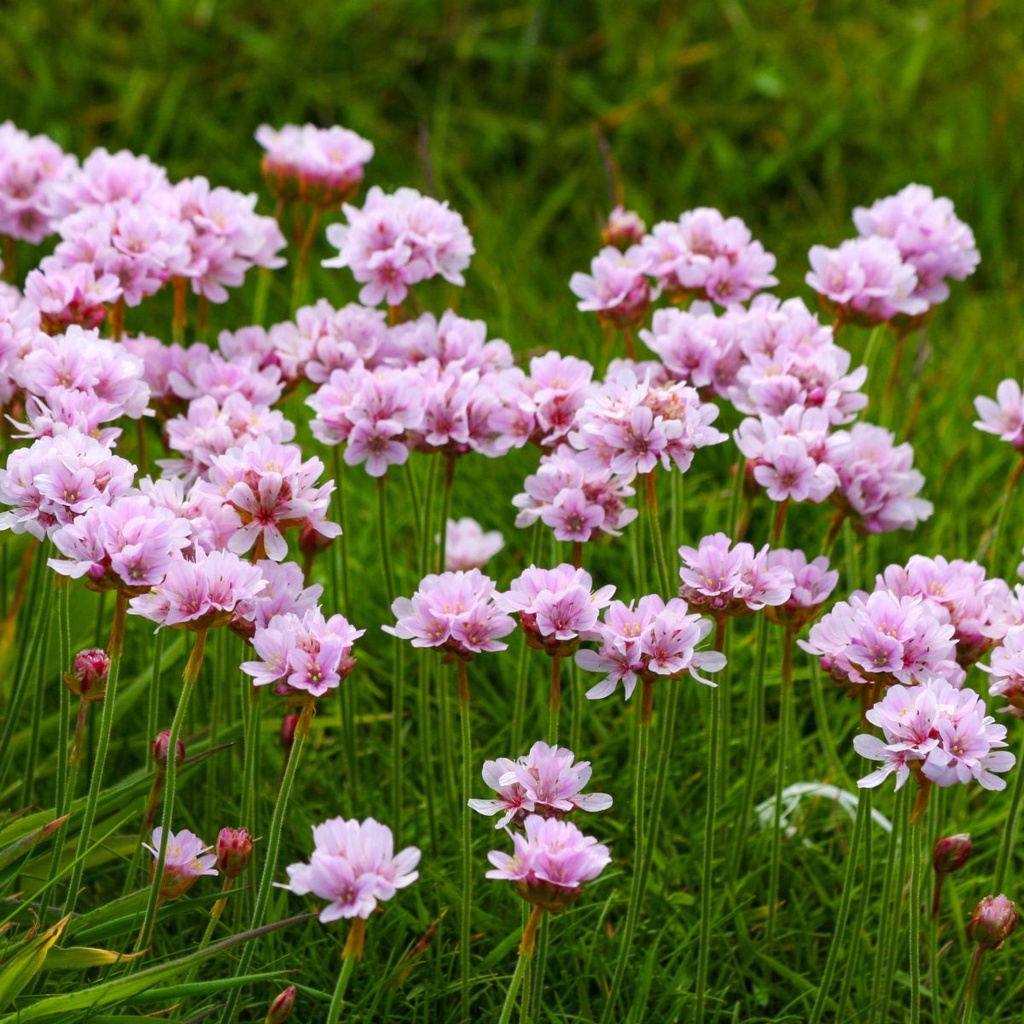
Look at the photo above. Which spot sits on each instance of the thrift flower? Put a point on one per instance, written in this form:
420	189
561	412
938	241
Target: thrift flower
187	859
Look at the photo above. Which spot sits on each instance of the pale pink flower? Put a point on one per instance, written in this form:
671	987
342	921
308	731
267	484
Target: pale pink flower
186	859
353	866
1003	417
616	288
467	546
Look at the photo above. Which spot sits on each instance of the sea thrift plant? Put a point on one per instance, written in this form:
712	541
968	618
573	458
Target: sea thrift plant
186	859
353	867
467	545
546	781
938	731
455	611
616	288
1004	416
550	863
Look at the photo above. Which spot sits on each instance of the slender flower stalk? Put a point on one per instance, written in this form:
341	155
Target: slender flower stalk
271	849
115	648
465	919
526	949
781	765
351	954
1004	506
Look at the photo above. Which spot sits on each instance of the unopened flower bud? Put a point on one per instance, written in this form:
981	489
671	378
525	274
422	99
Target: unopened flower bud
951	853
282	1006
995	918
88	678
234	851
161	748
288	724
623	229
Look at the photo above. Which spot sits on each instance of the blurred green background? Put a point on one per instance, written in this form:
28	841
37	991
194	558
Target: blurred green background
785	112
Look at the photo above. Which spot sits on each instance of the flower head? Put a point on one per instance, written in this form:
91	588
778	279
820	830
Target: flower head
187	858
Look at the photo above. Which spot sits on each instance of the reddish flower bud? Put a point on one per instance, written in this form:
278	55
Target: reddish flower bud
623	229
234	851
282	1006
88	678
288	724
951	853
995	917
161	747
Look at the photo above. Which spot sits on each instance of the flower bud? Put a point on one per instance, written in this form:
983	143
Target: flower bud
623	229
88	677
161	747
234	851
282	1006
951	853
288	724
995	917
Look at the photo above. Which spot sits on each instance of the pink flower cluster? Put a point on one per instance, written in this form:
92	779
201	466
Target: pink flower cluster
455	611
631	425
883	639
353	866
1007	671
398	240
706	255
467	546
305	654
322	166
556	607
550	863
617	288
938	731
651	640
813	583
548	781
32	169
726	580
910	243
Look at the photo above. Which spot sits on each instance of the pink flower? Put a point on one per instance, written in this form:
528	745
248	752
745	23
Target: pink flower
397	240
455	611
546	781
813	585
653	639
939	730
323	166
1003	417
353	867
557	607
186	859
727	580
617	288
32	170
551	862
467	546
623	229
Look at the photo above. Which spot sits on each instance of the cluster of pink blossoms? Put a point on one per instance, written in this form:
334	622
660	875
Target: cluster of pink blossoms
548	781
467	546
305	654
353	866
322	166
455	611
1007	671
556	607
617	287
186	859
651	640
550	862
909	244
727	580
939	731
398	240
32	169
1004	416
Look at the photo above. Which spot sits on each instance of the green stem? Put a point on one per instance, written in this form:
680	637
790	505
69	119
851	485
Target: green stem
530	1009
189	677
894	911
755	737
1009	837
555	699
465	919
273	846
526	947
915	836
115	649
967	1007
302	261
838	945
781	764
523	668
837	770
708	861
657	538
1004	505
643	745
348	965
